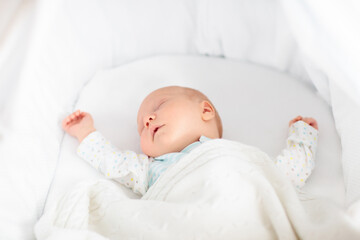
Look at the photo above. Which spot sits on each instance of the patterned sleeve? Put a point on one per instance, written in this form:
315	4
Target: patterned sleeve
298	159
126	167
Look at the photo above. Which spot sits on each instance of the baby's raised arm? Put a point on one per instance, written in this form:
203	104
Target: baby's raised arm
79	124
298	159
126	167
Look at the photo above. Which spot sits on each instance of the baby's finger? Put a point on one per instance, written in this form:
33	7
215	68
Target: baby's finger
65	123
309	120
71	117
295	120
68	120
76	115
312	122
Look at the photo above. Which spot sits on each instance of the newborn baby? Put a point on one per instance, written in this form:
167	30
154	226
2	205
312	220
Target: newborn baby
172	121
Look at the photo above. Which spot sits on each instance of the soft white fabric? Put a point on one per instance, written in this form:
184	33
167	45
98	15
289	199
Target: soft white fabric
231	86
328	35
254	31
347	115
46	62
313	40
16	24
70	40
220	190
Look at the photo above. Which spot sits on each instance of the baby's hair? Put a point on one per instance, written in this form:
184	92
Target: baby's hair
196	94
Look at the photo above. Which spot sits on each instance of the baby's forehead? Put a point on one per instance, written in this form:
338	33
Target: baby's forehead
170	91
162	93
166	91
152	97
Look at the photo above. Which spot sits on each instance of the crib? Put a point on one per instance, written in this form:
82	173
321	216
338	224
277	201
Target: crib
261	62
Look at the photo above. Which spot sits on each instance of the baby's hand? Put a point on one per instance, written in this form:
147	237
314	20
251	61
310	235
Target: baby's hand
78	124
311	121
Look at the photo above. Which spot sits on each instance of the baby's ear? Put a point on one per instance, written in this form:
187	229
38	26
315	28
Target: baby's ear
208	111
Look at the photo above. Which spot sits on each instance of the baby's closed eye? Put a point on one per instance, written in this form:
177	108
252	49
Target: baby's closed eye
159	104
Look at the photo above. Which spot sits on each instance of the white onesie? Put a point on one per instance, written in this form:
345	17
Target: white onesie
132	169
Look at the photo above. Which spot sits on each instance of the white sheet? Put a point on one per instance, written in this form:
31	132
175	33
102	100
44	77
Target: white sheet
255	104
328	34
221	190
16	24
48	61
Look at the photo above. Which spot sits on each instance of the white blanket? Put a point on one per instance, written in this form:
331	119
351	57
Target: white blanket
221	190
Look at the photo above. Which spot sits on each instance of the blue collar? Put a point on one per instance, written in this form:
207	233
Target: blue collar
187	149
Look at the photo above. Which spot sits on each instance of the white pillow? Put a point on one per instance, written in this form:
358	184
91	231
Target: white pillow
255	105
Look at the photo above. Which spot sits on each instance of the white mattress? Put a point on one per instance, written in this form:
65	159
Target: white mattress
255	104
50	49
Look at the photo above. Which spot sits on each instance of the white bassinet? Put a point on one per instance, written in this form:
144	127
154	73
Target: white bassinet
261	62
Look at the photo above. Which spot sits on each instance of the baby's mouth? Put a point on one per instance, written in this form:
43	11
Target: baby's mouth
155	129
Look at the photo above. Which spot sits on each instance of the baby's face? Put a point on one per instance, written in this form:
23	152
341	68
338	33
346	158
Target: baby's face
168	121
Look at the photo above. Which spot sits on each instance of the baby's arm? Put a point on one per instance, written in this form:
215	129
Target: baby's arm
298	160
125	167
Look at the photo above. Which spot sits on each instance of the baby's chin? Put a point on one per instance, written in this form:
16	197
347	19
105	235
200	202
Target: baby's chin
156	151
162	146
154	154
150	151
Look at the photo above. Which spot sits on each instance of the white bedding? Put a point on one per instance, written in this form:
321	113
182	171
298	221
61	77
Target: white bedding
49	50
221	190
255	104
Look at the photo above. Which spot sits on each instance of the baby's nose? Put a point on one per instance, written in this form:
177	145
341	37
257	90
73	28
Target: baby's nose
148	119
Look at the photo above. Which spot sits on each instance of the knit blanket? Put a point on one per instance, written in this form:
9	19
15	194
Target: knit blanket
220	190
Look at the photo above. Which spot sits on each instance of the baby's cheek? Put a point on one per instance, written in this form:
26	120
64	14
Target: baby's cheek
144	145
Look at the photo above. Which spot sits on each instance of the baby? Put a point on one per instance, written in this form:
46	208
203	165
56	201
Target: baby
171	122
